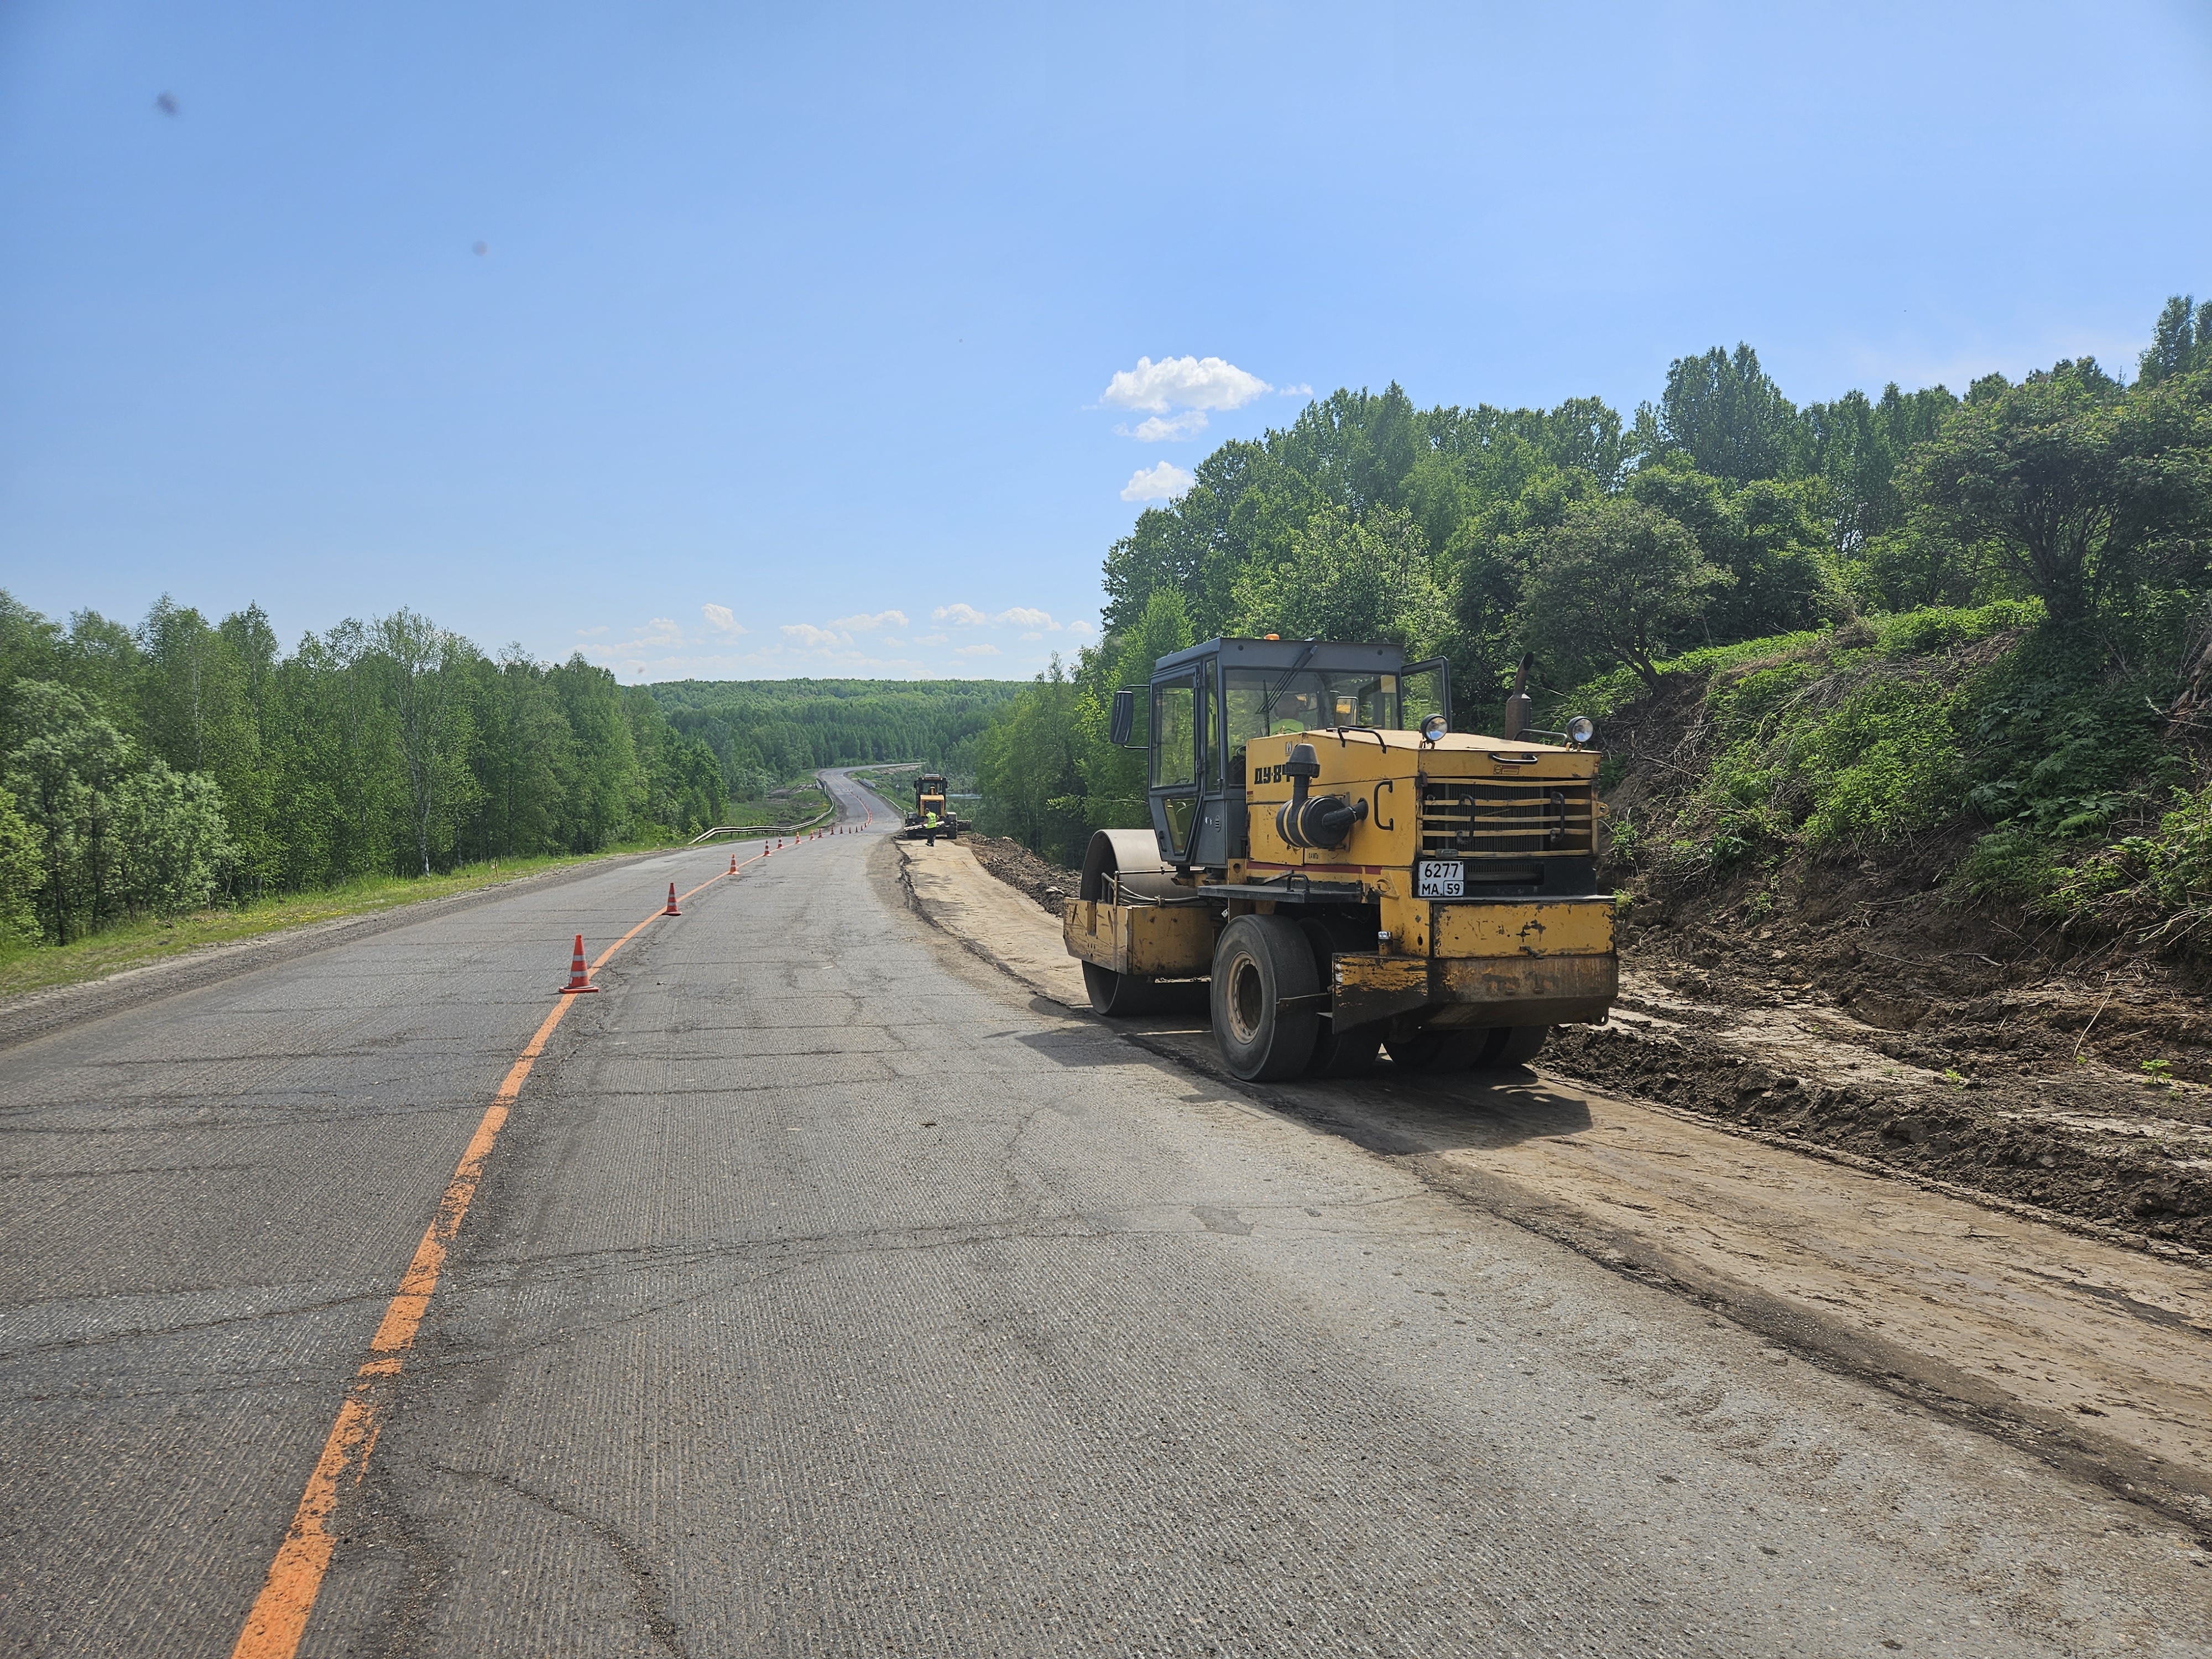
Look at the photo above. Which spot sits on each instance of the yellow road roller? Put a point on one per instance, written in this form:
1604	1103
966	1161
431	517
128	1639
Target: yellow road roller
1335	871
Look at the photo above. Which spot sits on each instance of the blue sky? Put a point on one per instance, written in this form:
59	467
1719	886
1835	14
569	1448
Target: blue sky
790	346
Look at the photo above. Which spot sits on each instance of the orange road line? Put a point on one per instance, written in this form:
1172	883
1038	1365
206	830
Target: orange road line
279	1617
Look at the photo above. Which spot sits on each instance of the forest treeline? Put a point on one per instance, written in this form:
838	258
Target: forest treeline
761	729
152	769
1618	550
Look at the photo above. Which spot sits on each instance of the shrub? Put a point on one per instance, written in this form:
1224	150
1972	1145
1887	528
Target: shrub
2159	884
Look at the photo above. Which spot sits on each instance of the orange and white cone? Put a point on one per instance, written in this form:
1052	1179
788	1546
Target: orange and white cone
579	977
671	910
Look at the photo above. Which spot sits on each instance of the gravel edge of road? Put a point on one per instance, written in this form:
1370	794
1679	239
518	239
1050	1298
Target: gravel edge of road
38	1013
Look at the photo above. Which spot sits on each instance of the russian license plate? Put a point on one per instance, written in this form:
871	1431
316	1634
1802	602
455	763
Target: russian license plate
1442	878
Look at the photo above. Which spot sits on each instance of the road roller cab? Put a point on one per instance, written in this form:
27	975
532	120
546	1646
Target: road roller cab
1332	869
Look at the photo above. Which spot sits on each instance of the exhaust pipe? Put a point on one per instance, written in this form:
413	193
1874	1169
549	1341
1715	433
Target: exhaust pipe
1518	705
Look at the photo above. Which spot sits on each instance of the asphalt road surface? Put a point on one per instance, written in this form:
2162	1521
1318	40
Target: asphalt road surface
824	1293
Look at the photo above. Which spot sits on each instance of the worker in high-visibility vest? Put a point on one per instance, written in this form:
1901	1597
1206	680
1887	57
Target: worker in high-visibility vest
929	826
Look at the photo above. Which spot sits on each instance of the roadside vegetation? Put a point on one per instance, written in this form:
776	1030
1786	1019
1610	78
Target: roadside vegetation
27	964
183	780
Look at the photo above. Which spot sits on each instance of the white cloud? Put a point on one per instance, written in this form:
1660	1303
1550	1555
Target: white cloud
1081	627
1301	390
1182	383
1163	482
591	633
931	639
815	639
722	619
661	630
1154	429
864	624
976	651
1015	616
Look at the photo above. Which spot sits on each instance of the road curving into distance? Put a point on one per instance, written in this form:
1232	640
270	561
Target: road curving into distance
820	1290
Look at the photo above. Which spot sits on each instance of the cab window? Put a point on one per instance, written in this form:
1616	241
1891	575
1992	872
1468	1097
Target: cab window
1209	744
1308	700
1175	735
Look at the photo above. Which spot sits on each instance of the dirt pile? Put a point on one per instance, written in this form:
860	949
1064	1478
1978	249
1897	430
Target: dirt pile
1015	865
2079	1138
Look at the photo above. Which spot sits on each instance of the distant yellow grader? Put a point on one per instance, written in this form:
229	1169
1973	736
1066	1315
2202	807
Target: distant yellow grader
932	813
1343	870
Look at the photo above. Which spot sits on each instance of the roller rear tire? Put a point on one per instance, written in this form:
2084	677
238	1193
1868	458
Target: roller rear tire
1257	962
1351	1054
1440	1051
1516	1045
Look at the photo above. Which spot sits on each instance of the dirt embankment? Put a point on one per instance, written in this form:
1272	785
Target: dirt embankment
1857	1003
1850	1007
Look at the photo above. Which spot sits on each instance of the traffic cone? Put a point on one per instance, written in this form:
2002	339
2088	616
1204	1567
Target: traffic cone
671	910
580	978
733	864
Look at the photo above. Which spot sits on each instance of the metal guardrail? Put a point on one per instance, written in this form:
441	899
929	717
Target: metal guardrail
749	831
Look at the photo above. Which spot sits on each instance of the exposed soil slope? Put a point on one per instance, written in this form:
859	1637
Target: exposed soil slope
1860	1003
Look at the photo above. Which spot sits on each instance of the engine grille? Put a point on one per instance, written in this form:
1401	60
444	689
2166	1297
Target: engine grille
1478	818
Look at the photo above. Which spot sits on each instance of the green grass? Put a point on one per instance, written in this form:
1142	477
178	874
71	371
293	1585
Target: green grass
1833	738
131	945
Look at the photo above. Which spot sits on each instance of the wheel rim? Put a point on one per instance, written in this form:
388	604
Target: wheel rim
1247	998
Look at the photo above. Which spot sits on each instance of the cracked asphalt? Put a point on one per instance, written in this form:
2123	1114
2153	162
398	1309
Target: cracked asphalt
827	1294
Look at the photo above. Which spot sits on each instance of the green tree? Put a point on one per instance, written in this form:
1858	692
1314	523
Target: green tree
2083	489
1770	536
1026	768
64	773
428	671
2181	342
173	840
1617	581
609	795
22	864
529	763
1349	579
201	713
1114	780
1725	415
1857	446
1487	565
